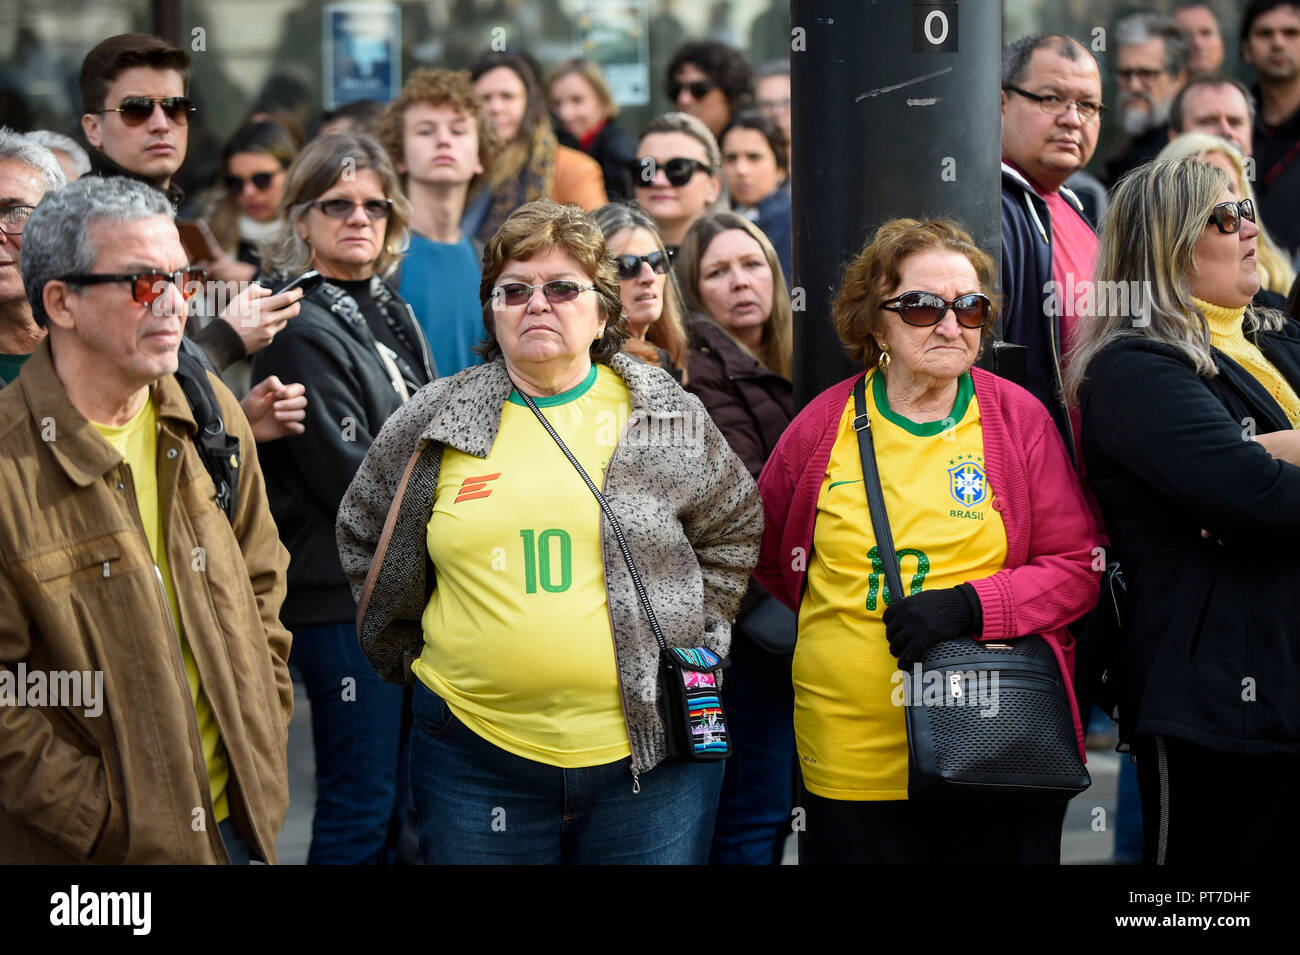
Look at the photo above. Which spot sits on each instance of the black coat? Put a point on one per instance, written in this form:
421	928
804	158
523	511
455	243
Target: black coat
349	397
613	148
1212	636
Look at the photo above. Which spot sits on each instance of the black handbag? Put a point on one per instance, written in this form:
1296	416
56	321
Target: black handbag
690	678
772	625
982	717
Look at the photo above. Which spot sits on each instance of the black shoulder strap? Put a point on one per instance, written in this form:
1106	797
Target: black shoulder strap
875	493
609	515
218	450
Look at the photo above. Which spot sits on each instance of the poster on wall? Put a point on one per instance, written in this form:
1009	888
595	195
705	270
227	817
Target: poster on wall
363	52
615	33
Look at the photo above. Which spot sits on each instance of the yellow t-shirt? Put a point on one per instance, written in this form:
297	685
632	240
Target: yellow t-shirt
849	727
517	635
137	442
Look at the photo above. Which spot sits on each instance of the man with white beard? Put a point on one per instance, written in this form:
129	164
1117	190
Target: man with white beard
1151	66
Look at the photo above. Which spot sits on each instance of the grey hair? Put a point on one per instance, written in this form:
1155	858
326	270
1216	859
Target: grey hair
15	147
56	239
1143	27
1017	54
57	142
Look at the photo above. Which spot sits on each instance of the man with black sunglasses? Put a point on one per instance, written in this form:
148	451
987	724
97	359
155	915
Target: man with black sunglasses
137	121
1051	117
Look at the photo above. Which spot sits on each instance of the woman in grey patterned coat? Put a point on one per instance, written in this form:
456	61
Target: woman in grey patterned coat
488	579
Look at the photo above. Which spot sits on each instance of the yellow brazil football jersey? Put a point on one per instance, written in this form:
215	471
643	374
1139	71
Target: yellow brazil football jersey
851	735
517	634
137	442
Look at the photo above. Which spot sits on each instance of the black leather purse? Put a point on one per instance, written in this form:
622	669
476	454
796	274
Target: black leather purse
982	717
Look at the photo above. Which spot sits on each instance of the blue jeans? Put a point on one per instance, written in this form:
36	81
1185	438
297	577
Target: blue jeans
239	851
477	803
761	781
358	726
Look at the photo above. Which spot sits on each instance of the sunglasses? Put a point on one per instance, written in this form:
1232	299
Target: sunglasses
679	171
261	182
147	287
697	88
1228	215
376	209
629	266
136	109
560	290
928	308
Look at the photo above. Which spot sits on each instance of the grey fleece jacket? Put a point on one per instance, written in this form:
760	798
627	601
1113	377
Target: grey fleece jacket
688	507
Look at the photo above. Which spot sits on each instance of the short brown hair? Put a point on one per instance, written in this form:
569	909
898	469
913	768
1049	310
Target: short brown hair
450	88
874	273
536	228
111	57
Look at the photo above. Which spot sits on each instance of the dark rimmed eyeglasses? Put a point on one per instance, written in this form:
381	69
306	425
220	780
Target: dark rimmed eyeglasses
146	287
261	182
928	308
134	110
697	88
1228	215
629	266
13	219
341	208
555	292
678	170
1054	105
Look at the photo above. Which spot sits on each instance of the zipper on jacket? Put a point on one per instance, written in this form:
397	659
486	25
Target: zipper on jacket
419	337
1162	770
1060	383
195	738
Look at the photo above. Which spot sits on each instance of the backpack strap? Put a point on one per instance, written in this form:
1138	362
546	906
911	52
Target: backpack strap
218	450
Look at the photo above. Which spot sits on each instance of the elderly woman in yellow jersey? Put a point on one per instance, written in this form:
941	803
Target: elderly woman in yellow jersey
485	575
993	536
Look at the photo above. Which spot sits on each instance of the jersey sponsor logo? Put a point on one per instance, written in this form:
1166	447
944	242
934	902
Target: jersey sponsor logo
473	487
967	483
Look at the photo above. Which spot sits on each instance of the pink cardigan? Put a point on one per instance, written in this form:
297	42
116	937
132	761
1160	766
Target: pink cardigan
1048	580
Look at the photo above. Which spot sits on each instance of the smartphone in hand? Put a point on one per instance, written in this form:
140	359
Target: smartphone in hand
308	282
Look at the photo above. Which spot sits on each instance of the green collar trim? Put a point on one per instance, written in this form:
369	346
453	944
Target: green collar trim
563	398
928	429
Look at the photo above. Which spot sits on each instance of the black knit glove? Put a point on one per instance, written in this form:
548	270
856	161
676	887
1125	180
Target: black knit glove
915	624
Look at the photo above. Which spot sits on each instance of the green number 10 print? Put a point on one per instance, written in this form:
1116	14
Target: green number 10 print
538	566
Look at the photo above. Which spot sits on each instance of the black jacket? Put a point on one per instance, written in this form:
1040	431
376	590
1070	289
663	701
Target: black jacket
612	147
1277	177
1139	151
330	348
1212	633
1027	317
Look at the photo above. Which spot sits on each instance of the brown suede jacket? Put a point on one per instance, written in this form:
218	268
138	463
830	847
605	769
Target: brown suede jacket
79	592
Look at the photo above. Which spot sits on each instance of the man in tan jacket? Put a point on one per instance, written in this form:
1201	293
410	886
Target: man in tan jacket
144	692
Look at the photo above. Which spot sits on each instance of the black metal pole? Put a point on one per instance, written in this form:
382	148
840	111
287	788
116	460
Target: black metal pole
896	113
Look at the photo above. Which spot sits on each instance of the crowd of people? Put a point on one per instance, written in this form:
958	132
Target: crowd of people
429	410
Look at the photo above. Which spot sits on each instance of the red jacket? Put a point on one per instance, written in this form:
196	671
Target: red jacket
1048	580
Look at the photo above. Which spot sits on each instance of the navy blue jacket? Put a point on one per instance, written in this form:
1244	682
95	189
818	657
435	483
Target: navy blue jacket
774	216
1028	312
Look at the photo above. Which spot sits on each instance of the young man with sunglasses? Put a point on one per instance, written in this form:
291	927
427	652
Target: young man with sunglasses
1051	117
129	568
710	81
136	118
441	141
